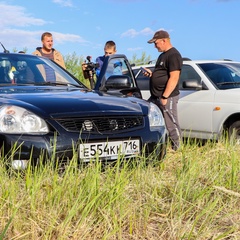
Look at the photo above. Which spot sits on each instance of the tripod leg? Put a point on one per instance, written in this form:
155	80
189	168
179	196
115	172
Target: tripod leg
91	83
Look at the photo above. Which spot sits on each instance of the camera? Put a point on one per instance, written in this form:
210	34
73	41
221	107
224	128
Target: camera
90	68
90	65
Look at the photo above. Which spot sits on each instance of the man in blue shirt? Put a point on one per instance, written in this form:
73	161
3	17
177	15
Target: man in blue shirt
109	48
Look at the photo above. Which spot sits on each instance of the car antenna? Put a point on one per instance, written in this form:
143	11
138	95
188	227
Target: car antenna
5	50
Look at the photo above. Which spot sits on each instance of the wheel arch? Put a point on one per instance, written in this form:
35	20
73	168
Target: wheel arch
230	120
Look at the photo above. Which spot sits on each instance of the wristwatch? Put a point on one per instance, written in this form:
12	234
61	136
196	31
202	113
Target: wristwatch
163	97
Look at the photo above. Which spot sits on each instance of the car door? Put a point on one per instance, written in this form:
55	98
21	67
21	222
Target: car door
116	77
143	81
195	108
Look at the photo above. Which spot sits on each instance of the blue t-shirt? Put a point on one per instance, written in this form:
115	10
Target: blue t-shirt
100	61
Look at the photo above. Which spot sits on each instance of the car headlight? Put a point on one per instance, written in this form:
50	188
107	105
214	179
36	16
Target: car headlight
155	116
14	119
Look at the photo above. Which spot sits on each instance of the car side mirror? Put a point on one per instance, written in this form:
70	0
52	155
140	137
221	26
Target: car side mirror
118	82
192	84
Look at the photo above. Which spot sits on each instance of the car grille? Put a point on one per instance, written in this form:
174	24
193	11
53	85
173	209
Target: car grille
102	124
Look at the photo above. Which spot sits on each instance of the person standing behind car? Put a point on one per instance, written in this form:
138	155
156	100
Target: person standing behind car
109	49
164	84
48	51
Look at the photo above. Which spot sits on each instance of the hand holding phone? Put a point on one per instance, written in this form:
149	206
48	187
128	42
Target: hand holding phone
144	71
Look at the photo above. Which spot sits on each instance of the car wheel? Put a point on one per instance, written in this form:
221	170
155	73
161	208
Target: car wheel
234	132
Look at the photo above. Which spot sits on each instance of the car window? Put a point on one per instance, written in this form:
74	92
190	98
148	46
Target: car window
223	75
5	68
118	66
28	69
142	81
115	67
188	73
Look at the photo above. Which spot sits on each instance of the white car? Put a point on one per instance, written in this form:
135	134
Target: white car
209	102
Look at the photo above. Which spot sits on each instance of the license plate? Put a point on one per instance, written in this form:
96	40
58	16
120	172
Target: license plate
109	150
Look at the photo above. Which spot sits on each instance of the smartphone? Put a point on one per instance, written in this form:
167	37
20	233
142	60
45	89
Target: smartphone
143	70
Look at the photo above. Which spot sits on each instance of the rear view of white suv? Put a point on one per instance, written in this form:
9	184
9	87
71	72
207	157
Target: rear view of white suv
209	97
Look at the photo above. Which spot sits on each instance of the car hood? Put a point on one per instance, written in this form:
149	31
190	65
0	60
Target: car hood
57	101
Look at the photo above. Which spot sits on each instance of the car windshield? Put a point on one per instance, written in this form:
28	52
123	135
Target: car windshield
223	75
30	69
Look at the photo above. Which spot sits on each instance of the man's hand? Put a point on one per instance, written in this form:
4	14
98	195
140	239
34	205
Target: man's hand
84	66
85	71
163	101
147	72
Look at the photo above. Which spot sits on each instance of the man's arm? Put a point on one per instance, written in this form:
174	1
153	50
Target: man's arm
85	72
172	83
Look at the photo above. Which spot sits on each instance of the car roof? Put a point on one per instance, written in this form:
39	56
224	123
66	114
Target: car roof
189	61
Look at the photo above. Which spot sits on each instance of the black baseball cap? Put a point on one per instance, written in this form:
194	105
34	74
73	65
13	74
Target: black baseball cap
159	35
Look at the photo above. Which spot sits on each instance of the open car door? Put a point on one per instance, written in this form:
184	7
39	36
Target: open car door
116	77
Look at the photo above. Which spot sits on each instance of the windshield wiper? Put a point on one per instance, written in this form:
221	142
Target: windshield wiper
59	83
42	84
228	83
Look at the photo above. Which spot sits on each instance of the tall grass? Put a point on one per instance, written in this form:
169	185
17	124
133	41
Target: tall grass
193	194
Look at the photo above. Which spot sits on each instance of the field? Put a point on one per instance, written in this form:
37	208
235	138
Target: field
193	194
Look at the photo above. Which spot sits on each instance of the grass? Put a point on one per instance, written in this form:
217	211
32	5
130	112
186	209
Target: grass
193	194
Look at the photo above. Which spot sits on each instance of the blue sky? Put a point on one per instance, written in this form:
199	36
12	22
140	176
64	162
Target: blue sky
199	29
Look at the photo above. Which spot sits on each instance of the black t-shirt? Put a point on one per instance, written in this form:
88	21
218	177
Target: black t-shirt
167	62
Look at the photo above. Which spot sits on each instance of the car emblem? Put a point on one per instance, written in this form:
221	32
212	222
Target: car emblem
87	125
113	125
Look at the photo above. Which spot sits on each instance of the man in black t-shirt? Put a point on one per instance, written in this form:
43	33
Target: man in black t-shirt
164	84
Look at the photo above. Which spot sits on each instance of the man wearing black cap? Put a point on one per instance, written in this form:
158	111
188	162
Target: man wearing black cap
164	84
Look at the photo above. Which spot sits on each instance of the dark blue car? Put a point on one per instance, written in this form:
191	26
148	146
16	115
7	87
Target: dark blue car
46	113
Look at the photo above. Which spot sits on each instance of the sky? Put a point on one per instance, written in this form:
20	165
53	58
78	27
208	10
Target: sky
199	29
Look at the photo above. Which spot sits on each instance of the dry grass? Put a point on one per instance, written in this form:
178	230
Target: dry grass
193	194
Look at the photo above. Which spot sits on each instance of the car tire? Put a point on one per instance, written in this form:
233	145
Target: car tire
234	132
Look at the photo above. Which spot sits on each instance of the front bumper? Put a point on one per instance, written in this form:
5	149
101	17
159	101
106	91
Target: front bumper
66	146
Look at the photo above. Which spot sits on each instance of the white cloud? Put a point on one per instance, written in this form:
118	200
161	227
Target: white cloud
15	33
127	1
64	3
146	31
9	14
130	33
63	38
134	49
15	38
133	33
